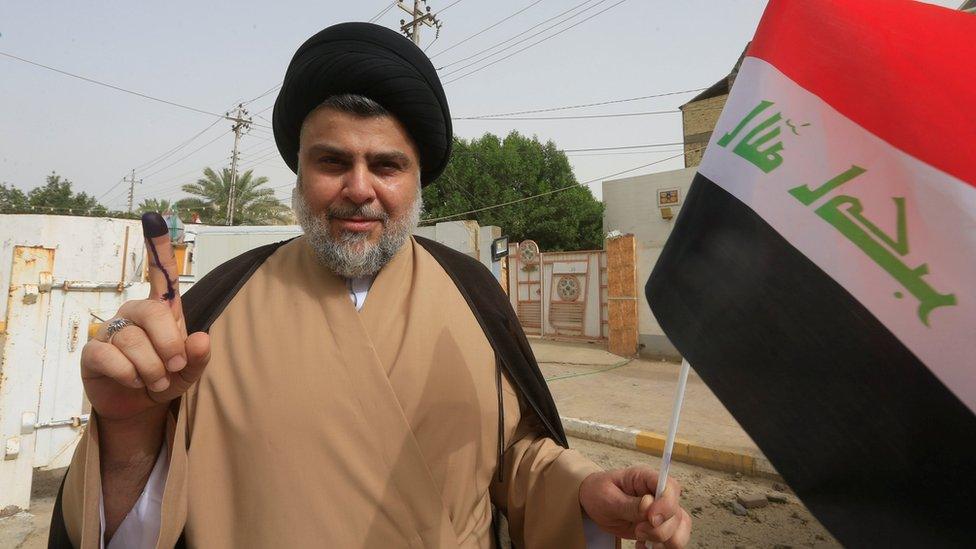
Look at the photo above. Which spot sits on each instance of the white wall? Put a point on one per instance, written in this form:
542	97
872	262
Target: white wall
214	245
632	207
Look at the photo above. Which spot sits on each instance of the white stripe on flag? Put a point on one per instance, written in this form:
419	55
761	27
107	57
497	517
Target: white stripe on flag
851	228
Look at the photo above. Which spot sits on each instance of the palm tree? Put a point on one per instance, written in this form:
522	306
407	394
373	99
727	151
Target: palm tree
160	205
252	205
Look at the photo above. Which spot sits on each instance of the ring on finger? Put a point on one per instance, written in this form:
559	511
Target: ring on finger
115	326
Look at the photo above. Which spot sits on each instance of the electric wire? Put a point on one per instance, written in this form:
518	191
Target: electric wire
176	149
584	105
567	187
483	67
572	117
484	30
447	7
509	39
112	86
382	12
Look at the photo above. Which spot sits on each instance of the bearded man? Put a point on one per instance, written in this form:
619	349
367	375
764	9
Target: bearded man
354	387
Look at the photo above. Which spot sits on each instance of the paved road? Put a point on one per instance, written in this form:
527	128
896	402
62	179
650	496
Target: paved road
584	379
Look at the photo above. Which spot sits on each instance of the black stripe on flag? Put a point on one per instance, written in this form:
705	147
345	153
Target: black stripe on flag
871	441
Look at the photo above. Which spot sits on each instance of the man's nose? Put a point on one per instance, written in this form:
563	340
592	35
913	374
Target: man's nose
357	184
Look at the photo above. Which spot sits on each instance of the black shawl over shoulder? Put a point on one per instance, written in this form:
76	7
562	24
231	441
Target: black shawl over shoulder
204	302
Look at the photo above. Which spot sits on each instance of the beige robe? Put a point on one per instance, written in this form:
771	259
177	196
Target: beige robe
317	426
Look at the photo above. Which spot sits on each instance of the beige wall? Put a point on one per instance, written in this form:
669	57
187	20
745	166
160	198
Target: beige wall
698	121
631	207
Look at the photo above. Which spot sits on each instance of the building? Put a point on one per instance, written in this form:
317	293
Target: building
646	206
700	114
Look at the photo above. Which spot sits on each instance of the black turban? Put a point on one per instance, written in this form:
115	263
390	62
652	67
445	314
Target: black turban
375	62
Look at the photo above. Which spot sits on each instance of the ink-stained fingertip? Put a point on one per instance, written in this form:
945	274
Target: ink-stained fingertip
153	225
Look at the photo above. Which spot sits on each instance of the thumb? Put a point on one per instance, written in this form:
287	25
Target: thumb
197	357
163	274
630	508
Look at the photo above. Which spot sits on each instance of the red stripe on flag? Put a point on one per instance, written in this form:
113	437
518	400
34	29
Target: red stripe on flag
902	70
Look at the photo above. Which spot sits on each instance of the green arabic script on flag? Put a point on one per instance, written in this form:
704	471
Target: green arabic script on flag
843	212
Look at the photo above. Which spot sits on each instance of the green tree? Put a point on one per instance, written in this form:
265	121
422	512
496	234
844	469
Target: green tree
490	170
253	205
160	205
56	197
12	199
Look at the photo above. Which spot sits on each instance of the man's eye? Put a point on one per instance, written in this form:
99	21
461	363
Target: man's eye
330	161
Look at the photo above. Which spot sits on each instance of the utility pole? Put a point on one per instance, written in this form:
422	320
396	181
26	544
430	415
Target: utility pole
132	187
241	122
418	17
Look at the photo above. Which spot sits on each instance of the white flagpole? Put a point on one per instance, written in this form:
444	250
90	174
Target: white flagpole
679	396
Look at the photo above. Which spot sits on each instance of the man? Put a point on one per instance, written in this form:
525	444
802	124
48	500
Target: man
355	387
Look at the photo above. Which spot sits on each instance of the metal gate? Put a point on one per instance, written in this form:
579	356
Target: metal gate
46	323
559	294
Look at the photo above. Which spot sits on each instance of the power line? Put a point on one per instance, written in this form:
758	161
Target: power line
584	105
160	186
482	31
574	185
574	117
191	153
107	85
473	154
436	36
272	89
174	150
483	67
617	148
509	39
382	12
619	153
449	6
259	150
257	160
101	196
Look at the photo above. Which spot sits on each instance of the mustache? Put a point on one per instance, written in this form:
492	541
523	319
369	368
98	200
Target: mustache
371	212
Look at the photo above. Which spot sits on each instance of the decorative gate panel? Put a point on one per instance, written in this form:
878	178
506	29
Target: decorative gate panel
559	294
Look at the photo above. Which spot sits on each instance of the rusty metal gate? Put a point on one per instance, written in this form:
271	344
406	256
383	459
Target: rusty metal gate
559	294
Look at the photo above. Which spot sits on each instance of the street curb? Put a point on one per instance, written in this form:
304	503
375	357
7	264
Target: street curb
684	451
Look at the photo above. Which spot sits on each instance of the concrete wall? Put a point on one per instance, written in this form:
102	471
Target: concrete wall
632	207
466	237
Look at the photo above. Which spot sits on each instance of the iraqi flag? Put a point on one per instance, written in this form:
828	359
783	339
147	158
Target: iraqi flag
821	277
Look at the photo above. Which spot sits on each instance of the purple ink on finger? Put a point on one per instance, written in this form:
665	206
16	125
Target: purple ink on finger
153	226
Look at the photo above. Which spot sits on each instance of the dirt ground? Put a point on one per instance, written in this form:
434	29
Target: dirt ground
29	530
708	496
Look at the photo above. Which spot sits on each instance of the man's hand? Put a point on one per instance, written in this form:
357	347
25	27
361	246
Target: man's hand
131	376
145	365
622	503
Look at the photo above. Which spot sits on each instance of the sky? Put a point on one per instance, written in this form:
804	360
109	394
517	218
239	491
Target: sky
210	56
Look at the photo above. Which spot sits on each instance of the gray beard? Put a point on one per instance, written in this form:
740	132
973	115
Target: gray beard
351	255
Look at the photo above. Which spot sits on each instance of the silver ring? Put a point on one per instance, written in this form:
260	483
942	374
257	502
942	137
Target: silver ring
115	326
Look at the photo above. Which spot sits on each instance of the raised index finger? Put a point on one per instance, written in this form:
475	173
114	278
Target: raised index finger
163	274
